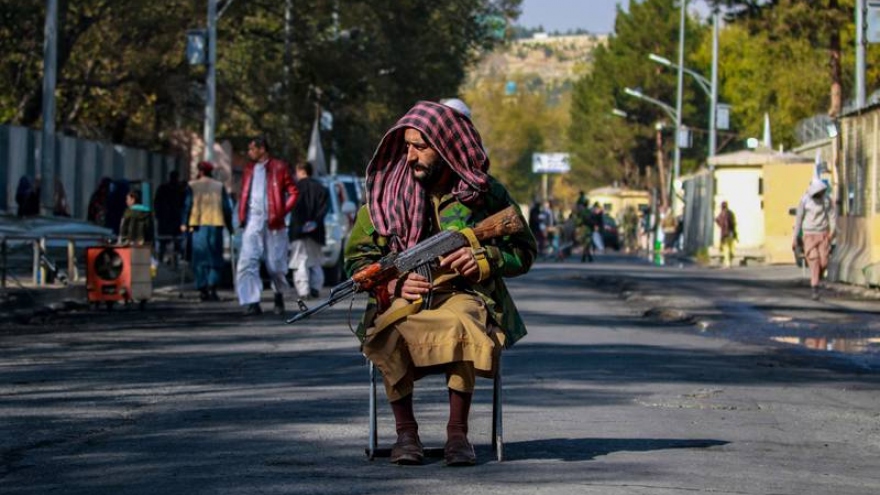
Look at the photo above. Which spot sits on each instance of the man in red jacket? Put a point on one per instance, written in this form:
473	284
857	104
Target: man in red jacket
267	196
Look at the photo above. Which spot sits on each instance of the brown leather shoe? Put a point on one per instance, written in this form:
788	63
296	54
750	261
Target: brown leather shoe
459	452
408	449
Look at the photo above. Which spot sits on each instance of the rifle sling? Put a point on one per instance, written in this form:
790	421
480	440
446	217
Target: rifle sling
404	309
479	254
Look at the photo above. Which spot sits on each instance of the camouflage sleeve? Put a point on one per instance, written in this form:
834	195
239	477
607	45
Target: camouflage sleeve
514	254
361	248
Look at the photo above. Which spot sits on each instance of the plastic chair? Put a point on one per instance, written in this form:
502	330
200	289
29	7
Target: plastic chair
497	439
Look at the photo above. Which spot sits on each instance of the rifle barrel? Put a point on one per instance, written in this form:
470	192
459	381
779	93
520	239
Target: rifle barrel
338	293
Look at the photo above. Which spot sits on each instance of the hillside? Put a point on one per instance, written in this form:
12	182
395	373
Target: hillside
556	60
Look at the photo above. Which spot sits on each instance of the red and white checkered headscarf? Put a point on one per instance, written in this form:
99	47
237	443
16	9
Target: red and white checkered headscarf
396	199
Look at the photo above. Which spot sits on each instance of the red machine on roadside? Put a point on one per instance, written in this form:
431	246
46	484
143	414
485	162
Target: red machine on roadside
118	273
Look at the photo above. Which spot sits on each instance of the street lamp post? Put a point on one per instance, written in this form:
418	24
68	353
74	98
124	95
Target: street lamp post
711	90
676	167
709	87
713	109
47	148
674	115
211	81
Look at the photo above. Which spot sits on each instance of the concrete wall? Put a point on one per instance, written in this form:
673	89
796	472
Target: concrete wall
856	258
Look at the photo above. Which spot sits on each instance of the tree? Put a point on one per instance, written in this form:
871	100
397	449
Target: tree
607	148
514	126
791	58
820	24
122	74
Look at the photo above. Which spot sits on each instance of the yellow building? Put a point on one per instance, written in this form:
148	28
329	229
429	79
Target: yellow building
615	200
784	185
760	187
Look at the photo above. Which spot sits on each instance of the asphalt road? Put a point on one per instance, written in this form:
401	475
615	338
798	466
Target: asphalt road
633	380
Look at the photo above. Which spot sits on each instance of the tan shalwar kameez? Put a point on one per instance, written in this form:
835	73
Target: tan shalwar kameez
455	335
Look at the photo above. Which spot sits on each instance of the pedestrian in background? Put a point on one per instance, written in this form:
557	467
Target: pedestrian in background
537	225
598	218
816	225
97	210
581	203
116	204
136	226
307	233
27	196
669	226
60	207
207	210
268	194
630	226
168	204
726	222
586	225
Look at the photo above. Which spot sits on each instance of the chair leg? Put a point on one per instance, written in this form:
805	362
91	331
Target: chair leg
497	426
373	440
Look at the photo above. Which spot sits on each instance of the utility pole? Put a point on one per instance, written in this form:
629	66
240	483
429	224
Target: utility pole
676	167
285	81
709	215
661	169
713	117
47	148
860	53
211	82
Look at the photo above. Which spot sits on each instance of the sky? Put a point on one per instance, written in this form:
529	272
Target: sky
596	16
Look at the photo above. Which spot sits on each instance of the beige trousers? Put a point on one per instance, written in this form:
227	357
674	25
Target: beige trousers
454	337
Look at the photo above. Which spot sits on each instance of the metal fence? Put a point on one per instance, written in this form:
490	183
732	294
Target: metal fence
79	165
698	213
813	129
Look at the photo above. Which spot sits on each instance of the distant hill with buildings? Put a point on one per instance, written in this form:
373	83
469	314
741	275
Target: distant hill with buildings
552	61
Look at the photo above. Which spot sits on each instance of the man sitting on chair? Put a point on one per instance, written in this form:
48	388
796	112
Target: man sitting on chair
429	174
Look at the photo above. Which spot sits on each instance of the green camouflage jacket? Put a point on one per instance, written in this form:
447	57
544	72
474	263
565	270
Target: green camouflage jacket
508	256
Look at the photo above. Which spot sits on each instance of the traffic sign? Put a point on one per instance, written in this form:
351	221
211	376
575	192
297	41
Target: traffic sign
550	163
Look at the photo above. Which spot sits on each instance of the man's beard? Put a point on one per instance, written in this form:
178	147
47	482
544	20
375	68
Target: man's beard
429	174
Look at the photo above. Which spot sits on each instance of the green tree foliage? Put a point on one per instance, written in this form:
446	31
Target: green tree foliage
607	148
514	126
791	59
122	74
786	79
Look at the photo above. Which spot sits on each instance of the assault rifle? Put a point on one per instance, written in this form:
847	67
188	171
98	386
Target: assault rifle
421	258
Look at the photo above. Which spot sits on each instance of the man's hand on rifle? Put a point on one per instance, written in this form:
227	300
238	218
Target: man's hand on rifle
463	261
411	287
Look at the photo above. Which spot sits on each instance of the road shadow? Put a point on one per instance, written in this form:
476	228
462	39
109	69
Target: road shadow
586	449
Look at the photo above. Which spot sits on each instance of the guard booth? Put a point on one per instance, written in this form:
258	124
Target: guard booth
760	187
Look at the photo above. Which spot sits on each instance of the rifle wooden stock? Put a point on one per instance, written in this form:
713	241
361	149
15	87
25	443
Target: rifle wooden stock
505	222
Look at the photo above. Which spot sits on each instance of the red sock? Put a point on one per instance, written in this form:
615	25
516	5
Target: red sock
404	418
459	410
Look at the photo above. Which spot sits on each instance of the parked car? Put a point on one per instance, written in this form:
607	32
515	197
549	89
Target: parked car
337	223
355	186
610	233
